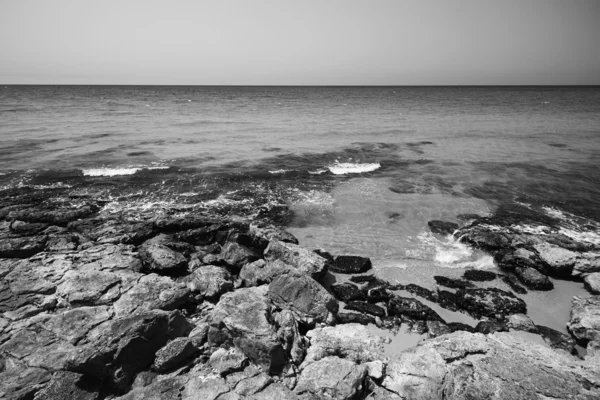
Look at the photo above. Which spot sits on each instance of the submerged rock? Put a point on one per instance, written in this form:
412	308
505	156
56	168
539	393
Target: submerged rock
452	283
490	302
442	227
365	308
411	308
479	275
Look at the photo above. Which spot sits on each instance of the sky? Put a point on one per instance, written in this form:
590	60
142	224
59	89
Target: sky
300	42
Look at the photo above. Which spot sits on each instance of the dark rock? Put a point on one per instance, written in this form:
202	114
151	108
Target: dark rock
533	279
447	300
236	255
326	255
209	281
21	247
510	259
297	257
437	328
468	217
69	386
115	231
514	285
22	228
490	302
346	292
158	257
419	291
350	265
363	278
349	318
54	216
483	238
263	234
491	326
411	308
200	236
459	326
557	339
479	275
365	308
377	295
452	283
442	227
185	222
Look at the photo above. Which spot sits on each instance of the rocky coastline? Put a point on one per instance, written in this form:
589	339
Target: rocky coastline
175	302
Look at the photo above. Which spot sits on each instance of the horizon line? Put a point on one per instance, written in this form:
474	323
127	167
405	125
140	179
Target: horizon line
274	85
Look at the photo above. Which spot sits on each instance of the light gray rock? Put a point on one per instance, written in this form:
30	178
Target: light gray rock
87	287
293	343
584	323
260	272
152	292
237	255
592	282
521	322
225	361
174	354
334	378
297	257
209	281
69	386
275	391
159	258
73	325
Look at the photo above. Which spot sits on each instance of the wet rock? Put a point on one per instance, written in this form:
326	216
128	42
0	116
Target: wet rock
350	318
114	231
153	292
557	339
464	365
411	308
54	216
333	377
510	259
442	227
512	282
183	222
21	247
365	308
199	236
174	354
446	300
350	265
592	282
533	279
209	281
479	275
260	272
236	255
419	291
521	322
491	326
483	238
244	315
347	292
297	257
437	328
459	326
362	278
325	254
225	361
263	234
375	295
69	386
584	323
302	295
490	302
159	258
452	283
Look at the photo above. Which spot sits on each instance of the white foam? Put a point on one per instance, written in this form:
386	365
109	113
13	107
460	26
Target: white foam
280	171
115	171
450	253
318	172
352	168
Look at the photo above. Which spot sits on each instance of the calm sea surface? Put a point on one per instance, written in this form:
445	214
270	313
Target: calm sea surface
361	169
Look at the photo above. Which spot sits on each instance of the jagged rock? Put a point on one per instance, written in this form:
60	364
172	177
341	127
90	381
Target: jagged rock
533	279
354	342
289	335
349	318
54	216
446	300
483	238
199	236
437	328
411	308
490	302
333	377
479	275
260	272
592	282
521	322
297	257
87	287
19	381
261	236
459	326
275	391
464	365
491	326
244	316
347	292
452	283
350	265
225	361
115	231
158	257
302	295
584	323
236	255
205	388
174	354
23	228
21	247
209	281
69	386
557	339
64	242
420	291
512	282
442	227
153	292
564	262
509	259
249	381
73	325
365	308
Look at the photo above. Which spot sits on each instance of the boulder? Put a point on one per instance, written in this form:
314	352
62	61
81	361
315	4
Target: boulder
437	328
347	292
513	283
153	292
406	307
564	262
88	287
533	279
297	257
70	386
303	296
490	302
174	354
236	255
263	234
592	282
365	308
452	283
556	339
21	247
158	257
333	378
260	272
442	227
478	275
289	335
459	326
225	361
209	281
584	323
521	322
249	381
350	265
462	365
484	238
491	326
350	318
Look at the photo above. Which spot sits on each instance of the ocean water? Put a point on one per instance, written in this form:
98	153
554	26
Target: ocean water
353	170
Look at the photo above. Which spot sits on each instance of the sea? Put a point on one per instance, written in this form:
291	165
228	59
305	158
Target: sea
351	170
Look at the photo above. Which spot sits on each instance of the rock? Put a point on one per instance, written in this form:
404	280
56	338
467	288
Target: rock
437	328
483	238
209	281
302	295
376	295
347	292
407	307
73	325
349	318
375	369
557	339
442	227
334	378
260	272
289	335
275	391
159	258
463	365
350	265
490	302
479	275
174	354
354	342
446	300
263	234
452	283
236	255
521	322
584	323
20	381
244	316
226	361
87	287
22	228
533	279
54	216
420	291
199	236
564	262
491	326
297	257
249	381
69	386
365	308
592	282
205	388
459	326
153	292
21	247
512	282
509	259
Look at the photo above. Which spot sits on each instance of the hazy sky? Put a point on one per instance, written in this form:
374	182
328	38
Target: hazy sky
320	42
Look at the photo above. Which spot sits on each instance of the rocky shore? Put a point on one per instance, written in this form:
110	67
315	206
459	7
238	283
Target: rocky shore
174	302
